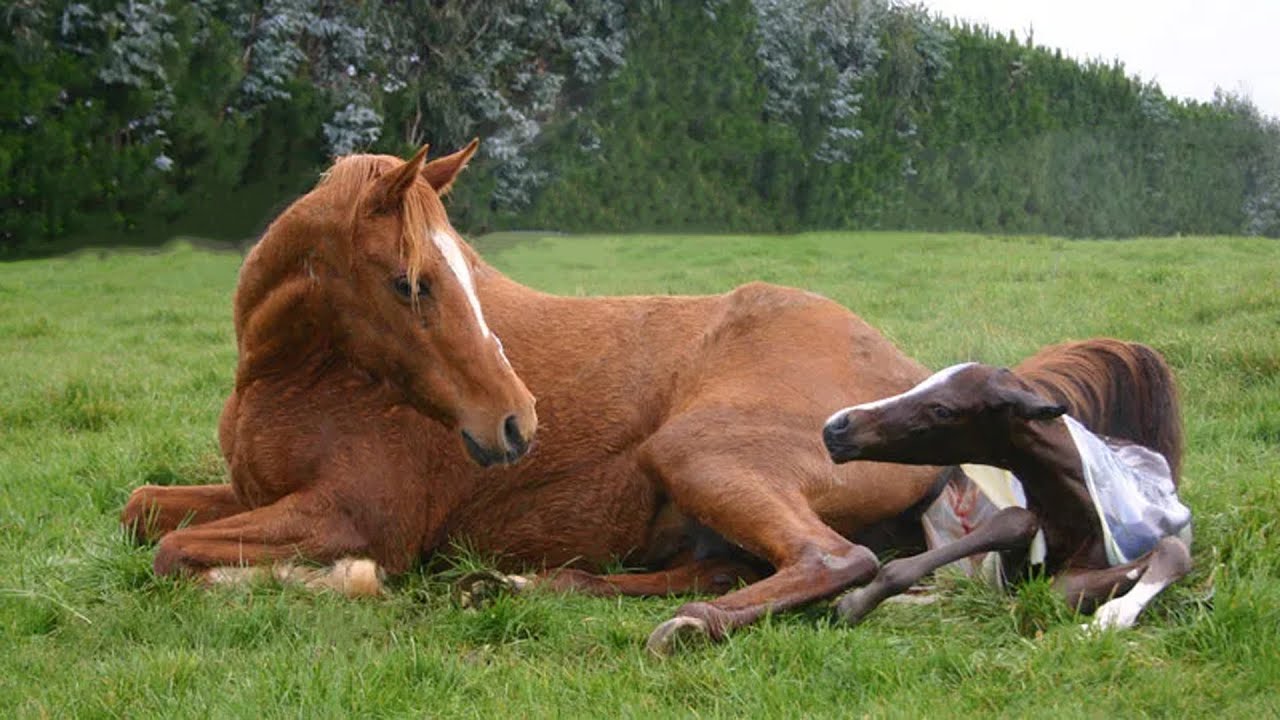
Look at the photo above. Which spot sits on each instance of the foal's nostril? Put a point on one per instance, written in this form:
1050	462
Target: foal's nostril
835	437
516	443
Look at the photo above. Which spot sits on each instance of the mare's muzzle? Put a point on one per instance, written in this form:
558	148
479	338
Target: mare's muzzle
514	445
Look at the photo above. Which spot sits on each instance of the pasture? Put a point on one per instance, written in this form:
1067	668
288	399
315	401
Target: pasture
113	369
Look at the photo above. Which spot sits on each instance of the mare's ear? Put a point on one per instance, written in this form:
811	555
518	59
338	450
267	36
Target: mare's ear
388	193
442	171
1030	406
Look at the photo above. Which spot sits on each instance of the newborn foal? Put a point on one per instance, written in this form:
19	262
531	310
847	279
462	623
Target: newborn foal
1108	509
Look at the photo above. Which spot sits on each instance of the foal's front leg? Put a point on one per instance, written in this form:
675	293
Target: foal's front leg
1140	581
1010	529
306	526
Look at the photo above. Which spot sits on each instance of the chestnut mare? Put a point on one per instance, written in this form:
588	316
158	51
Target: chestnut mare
981	414
676	432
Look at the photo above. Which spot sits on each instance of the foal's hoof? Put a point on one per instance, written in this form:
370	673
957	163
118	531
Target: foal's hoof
477	589
678	633
856	605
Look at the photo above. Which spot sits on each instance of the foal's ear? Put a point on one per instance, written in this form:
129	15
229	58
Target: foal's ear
388	193
1030	406
442	171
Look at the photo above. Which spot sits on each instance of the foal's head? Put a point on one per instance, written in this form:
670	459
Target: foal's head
964	413
389	280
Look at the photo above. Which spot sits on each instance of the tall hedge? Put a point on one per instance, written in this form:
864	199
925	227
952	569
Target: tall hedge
745	115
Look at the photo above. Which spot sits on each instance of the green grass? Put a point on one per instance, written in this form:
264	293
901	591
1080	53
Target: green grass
113	369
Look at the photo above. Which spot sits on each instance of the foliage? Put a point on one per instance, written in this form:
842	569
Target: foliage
600	114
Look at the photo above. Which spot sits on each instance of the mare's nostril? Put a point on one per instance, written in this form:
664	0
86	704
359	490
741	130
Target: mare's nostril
839	423
516	443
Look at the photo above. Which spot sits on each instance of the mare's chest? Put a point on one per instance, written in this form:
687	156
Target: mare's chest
286	439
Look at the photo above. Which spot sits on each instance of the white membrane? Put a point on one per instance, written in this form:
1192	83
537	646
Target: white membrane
1133	493
925	385
968	500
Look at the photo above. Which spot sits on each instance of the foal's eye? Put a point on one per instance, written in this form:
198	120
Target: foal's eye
943	412
405	290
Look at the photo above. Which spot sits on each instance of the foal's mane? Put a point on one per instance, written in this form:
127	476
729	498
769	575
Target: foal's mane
1117	389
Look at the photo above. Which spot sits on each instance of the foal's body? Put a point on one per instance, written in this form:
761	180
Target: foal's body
664	422
976	413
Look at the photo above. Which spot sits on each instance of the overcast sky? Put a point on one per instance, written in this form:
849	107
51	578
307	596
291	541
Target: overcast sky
1187	46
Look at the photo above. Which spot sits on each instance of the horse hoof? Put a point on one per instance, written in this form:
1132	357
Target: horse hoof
1117	614
855	606
676	634
477	589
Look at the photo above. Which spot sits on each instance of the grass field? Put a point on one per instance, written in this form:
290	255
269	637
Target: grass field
113	369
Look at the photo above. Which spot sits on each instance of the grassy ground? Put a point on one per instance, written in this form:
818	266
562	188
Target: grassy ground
112	373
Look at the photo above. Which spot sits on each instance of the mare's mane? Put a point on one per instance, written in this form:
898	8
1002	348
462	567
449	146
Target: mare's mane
351	177
1117	389
320	226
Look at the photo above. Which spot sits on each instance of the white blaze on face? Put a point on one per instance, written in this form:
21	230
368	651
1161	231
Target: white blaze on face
452	254
925	386
457	262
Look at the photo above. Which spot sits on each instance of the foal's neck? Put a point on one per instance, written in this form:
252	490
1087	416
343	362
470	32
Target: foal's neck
1044	458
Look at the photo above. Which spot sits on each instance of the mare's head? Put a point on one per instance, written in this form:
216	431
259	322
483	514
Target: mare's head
964	413
367	269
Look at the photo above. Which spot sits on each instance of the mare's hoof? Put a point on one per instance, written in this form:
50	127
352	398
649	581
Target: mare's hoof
477	589
678	633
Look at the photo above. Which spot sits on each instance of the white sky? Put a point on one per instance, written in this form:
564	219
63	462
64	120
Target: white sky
1187	46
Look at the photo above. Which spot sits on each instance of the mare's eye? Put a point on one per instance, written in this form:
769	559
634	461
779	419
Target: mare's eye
405	290
943	412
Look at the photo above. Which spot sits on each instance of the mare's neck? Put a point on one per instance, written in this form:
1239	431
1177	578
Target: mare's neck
290	332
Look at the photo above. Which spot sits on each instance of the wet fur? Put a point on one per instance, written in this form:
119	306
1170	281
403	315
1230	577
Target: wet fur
1122	390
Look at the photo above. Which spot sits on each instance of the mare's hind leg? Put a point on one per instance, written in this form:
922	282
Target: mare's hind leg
1009	530
305	526
154	511
727	489
1139	581
714	576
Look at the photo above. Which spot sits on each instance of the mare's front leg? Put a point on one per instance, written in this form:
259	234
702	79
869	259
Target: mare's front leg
748	491
305	526
1009	530
1139	581
154	511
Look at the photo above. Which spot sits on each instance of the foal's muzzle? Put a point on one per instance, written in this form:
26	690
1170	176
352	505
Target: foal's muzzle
837	435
